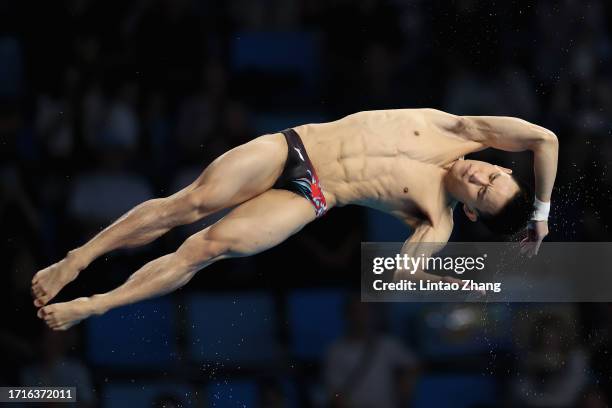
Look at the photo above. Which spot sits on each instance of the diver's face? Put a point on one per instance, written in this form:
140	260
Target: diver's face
480	186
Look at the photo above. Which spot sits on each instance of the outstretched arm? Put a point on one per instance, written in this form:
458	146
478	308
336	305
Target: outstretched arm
515	135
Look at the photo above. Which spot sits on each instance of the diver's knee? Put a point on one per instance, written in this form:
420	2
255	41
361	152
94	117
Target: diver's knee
203	248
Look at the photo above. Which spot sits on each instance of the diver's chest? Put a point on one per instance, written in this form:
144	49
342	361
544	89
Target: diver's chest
427	148
415	183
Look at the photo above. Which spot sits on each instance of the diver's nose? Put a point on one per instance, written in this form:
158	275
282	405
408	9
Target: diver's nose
478	178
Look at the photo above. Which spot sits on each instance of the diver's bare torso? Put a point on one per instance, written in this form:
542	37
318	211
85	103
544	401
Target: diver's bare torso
391	160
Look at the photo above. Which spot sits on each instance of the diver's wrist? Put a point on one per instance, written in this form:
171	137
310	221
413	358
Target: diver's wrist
541	210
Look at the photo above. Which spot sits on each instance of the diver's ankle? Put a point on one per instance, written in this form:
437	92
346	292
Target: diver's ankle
77	259
98	306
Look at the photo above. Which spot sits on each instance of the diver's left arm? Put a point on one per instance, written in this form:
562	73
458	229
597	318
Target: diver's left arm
426	240
515	135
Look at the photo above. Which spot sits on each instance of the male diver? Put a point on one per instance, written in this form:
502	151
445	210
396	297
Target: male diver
406	162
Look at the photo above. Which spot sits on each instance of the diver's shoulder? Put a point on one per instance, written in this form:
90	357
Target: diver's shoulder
429	113
386	114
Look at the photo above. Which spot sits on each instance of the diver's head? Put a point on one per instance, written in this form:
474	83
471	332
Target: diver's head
491	194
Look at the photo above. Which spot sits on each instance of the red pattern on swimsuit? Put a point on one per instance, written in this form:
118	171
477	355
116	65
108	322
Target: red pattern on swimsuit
317	197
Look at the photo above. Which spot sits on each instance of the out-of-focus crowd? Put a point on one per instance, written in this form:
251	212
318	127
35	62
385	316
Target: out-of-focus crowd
103	106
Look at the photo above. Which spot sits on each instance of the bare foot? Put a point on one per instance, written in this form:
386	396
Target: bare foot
49	281
62	316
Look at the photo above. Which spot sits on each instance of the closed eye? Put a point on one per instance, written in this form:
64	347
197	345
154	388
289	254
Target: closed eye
483	190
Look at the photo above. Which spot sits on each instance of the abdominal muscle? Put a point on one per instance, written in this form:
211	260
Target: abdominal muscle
390	160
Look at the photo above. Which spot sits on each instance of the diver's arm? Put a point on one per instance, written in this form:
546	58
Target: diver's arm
425	241
516	135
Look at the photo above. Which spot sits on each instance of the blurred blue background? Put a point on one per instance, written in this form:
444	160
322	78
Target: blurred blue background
104	105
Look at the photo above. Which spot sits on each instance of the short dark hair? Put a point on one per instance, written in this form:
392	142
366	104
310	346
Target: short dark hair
514	215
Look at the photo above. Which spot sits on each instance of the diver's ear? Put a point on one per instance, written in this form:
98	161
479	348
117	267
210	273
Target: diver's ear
471	214
505	169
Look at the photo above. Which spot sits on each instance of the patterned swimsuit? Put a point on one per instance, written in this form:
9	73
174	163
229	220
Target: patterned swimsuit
299	175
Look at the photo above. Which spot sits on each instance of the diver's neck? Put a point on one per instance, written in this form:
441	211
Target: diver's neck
451	200
449	165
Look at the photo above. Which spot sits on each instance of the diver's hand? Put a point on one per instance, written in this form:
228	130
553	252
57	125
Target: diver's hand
536	231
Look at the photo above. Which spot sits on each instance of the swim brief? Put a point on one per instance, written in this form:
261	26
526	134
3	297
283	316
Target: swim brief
299	175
